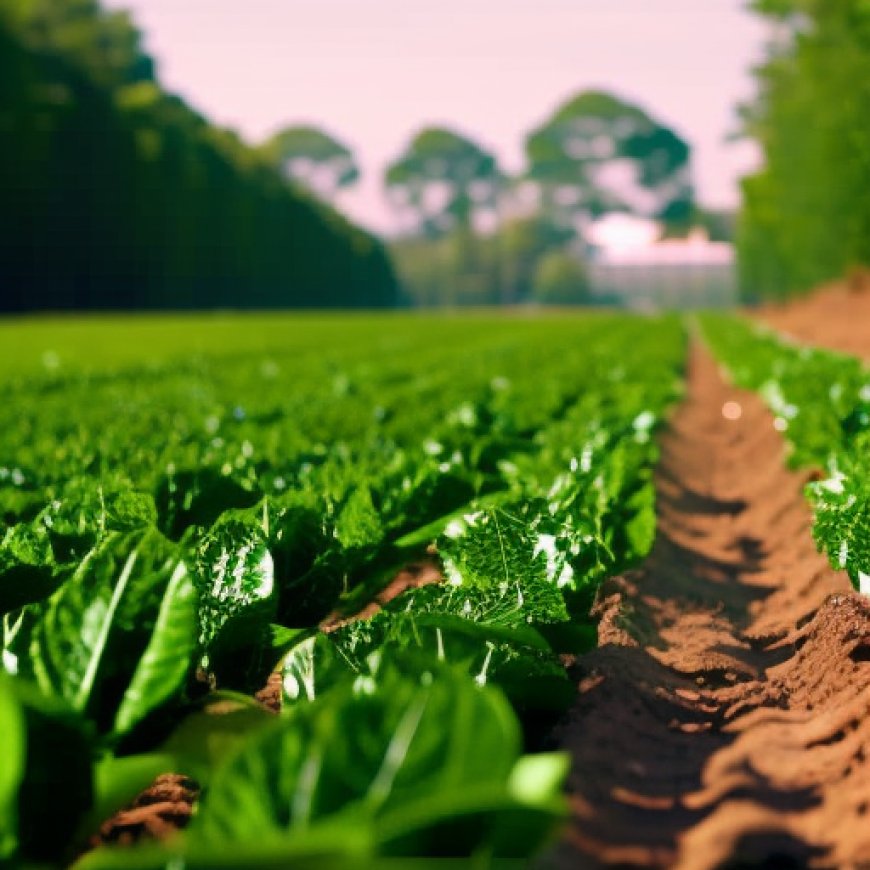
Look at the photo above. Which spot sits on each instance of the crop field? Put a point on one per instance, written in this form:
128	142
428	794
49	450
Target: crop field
365	590
220	514
459	461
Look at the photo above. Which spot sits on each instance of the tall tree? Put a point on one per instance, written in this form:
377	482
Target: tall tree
442	180
522	243
105	43
119	195
806	214
311	157
598	154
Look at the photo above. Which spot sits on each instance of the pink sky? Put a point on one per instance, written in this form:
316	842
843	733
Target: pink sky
373	71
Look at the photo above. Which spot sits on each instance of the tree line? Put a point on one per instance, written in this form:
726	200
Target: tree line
118	195
806	213
472	233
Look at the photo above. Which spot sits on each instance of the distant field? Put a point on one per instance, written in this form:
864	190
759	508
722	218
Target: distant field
33	344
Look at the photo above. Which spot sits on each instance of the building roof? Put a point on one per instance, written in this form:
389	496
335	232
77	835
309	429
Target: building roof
630	241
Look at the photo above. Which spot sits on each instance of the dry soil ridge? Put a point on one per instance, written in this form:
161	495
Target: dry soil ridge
724	720
836	316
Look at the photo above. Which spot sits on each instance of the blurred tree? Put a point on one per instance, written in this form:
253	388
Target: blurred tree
501	268
806	214
442	181
598	154
719	224
105	43
439	272
521	243
313	158
119	195
560	279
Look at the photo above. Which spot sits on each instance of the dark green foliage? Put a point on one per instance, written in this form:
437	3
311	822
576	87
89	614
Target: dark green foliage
560	279
46	753
482	269
117	195
439	158
594	129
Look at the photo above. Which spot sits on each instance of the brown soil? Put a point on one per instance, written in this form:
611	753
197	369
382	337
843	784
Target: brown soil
724	720
837	316
271	694
156	814
410	577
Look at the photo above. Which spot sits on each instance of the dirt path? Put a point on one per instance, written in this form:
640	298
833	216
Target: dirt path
836	316
724	720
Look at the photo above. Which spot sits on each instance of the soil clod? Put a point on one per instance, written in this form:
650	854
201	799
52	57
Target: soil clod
156	814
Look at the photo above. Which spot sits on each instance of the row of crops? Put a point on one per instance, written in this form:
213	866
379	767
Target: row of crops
179	534
821	403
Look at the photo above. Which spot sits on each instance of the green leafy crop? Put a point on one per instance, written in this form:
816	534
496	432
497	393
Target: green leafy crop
821	401
181	523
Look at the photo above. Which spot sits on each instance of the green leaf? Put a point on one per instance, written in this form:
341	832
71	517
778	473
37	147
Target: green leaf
28	571
517	660
167	658
536	778
86	643
358	524
842	522
497	548
205	739
62	643
314	666
379	758
336	844
235	579
12	769
640	529
59	748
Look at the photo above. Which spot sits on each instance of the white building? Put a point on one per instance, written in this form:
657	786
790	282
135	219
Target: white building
631	266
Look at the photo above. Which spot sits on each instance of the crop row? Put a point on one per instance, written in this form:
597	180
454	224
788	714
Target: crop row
176	532
821	403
